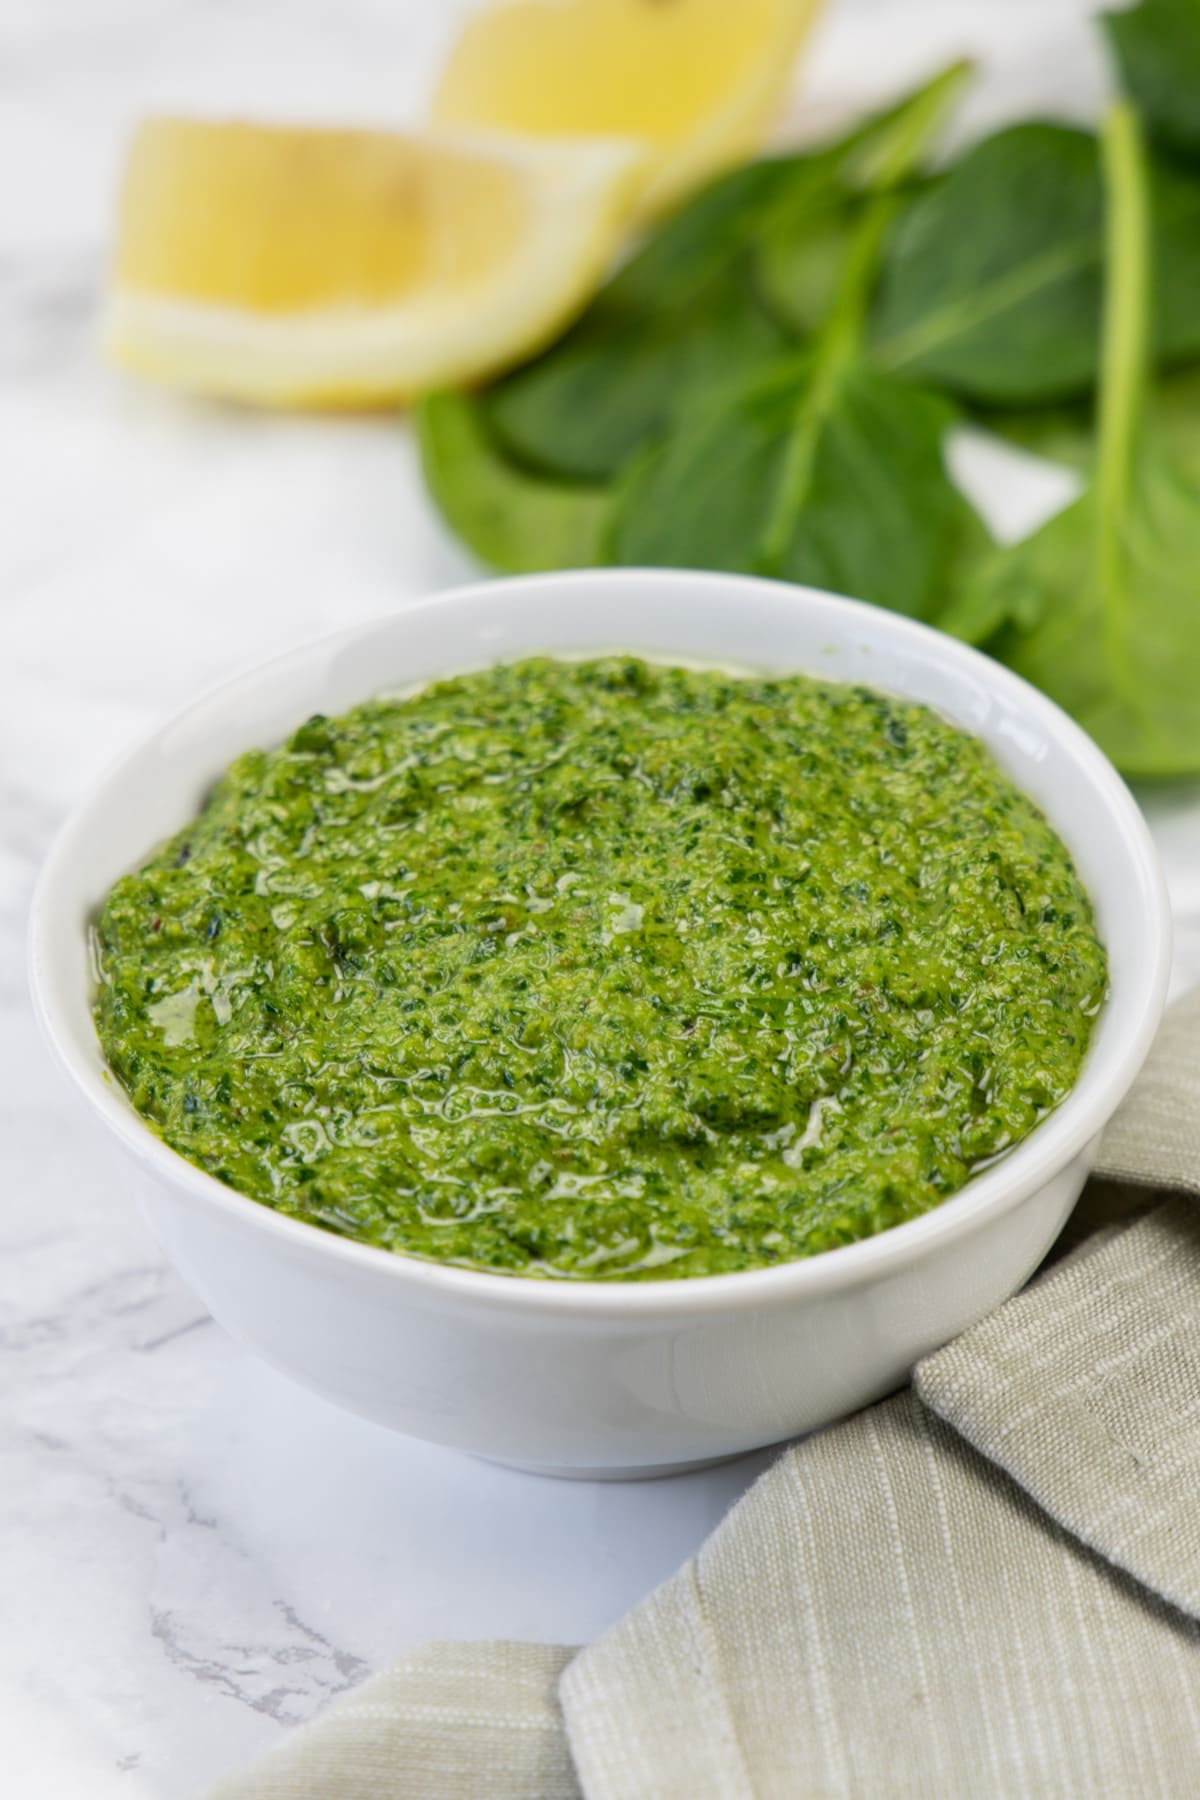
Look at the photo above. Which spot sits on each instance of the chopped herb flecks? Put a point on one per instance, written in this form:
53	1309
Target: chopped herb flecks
604	970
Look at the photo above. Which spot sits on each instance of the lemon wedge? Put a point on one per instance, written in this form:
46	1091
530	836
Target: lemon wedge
698	80
286	266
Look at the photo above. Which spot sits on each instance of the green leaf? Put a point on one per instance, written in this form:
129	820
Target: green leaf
617	379
1066	434
838	484
1157	47
1123	656
687	313
1062	434
821	470
512	520
993	282
1099	608
797	273
1174	202
800	250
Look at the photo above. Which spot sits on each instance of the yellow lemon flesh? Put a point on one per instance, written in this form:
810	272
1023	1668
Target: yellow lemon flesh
698	80
284	266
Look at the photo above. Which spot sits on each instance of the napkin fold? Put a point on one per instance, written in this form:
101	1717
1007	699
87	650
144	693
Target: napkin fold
987	1585
447	1721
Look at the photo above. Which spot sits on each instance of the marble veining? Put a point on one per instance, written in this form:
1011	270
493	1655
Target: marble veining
193	1554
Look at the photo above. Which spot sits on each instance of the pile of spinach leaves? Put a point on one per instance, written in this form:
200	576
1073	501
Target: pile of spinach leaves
767	386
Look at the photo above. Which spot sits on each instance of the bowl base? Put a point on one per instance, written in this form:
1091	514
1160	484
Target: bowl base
634	1472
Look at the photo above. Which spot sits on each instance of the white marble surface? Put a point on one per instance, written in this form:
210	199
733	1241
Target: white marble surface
193	1554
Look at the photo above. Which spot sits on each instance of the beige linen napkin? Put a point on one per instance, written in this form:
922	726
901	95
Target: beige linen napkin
986	1586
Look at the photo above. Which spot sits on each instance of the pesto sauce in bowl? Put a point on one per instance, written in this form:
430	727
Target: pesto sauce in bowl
604	970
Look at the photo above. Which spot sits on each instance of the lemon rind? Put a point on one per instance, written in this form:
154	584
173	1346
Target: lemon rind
581	191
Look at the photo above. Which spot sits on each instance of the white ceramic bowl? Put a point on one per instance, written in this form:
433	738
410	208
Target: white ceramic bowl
588	1377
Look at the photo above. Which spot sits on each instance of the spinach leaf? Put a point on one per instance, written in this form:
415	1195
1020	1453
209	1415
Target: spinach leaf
990	282
796	273
799	252
1173	200
1099	608
614	381
993	283
838	483
1066	434
820	470
512	520
1157	47
687	313
1062	434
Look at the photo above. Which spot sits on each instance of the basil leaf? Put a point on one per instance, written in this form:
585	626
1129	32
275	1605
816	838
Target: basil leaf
687	313
1099	607
1157	47
993	281
512	520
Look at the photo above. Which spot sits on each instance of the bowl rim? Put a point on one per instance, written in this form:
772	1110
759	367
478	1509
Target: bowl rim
1062	1136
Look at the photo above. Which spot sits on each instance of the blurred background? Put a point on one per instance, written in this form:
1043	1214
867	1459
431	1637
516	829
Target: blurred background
161	540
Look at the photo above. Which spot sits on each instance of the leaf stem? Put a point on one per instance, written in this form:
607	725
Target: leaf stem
1124	353
1124	347
836	349
892	145
889	157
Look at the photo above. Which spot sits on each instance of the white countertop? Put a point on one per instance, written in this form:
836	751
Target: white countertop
194	1554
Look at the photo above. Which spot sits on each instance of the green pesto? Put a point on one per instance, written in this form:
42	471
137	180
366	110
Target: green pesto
604	970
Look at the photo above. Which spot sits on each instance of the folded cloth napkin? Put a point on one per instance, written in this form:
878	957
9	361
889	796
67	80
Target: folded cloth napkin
988	1585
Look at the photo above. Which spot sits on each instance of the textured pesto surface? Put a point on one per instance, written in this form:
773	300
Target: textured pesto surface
604	970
